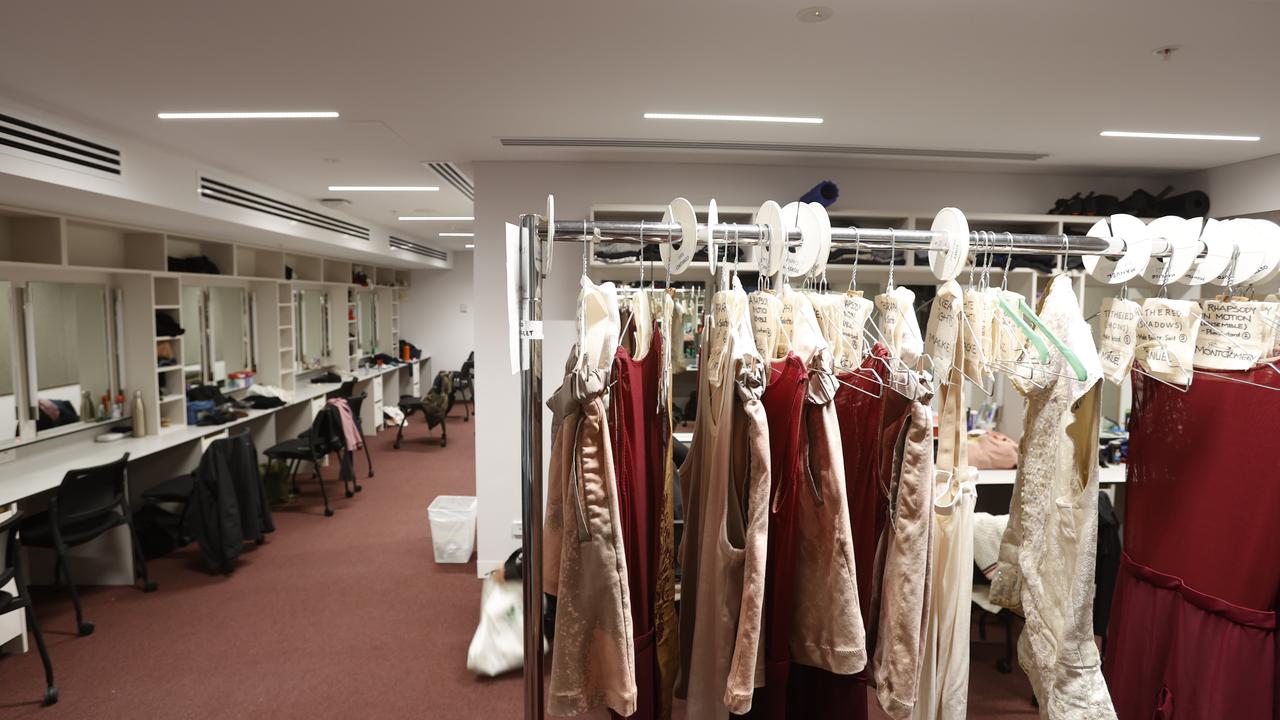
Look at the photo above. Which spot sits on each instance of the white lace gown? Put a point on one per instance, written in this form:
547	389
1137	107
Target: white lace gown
1047	555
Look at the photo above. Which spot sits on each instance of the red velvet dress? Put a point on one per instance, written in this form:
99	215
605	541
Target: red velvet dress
637	430
1193	621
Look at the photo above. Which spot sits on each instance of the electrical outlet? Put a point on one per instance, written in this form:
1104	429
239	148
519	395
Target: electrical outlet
517	529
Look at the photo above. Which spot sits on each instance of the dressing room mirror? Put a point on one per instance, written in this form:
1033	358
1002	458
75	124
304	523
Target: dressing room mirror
70	357
193	339
367	314
229	321
9	349
312	320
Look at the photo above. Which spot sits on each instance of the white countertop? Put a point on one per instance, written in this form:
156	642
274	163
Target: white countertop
41	472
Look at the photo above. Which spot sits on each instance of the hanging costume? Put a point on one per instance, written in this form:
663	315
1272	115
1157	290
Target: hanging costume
1048	553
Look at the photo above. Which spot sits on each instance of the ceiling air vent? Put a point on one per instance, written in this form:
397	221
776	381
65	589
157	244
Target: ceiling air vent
222	192
454	177
417	248
734	146
50	144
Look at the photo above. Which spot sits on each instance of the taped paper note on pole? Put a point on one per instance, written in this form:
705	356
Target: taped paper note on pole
513	295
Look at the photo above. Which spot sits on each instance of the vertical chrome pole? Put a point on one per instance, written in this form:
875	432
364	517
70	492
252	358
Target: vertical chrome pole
531	462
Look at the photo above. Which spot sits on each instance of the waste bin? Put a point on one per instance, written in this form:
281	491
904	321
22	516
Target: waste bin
453	527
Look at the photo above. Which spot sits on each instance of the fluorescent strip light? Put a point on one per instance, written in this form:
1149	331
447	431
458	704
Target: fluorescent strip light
735	118
1178	136
453	218
244	115
469	246
382	188
457	234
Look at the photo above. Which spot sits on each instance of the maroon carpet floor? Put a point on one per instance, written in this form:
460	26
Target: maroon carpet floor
340	617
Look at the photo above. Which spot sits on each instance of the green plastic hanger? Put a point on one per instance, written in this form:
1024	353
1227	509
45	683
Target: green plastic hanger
1036	341
1067	353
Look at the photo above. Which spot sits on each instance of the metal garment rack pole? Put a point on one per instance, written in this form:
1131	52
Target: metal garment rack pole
534	230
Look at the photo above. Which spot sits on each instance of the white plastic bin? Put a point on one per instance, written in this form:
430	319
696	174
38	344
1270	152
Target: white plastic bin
453	527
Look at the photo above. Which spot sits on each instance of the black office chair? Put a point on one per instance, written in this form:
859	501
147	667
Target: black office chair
10	550
88	503
464	386
435	407
324	437
355	404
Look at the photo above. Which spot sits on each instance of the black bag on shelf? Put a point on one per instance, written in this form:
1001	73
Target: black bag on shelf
167	325
198	264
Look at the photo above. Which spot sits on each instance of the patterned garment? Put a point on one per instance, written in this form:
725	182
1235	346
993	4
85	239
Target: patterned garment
1048	553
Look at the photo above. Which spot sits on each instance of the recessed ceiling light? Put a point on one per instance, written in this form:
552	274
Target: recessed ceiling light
417	218
469	246
245	115
382	188
1179	136
815	14
457	234
735	118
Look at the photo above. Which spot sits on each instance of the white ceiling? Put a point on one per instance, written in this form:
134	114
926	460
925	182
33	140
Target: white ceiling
430	81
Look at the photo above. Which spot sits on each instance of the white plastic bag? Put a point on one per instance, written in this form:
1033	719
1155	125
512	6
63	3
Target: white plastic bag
498	645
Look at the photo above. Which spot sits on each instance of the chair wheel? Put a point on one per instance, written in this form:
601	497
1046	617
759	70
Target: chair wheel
86	628
1003	666
350	493
149	586
443	442
396	445
370	473
50	695
359	487
328	512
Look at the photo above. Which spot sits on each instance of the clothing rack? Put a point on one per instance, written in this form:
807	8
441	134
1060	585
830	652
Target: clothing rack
534	254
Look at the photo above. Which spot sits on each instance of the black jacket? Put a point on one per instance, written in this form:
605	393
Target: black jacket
228	502
330	438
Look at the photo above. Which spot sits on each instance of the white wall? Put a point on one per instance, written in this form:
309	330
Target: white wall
506	190
437	316
1246	188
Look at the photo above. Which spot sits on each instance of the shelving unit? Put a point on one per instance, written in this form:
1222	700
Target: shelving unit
133	261
31	238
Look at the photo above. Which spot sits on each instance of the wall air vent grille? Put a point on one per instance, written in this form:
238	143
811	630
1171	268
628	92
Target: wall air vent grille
222	192
734	146
50	144
417	248
454	177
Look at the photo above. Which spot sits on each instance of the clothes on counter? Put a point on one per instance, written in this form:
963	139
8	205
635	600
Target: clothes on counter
55	413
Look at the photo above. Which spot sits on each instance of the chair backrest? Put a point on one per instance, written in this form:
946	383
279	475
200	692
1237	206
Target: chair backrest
326	432
355	403
89	492
348	387
469	365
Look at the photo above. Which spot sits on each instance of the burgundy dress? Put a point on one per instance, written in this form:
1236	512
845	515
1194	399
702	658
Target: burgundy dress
637	432
1193	621
816	693
783	401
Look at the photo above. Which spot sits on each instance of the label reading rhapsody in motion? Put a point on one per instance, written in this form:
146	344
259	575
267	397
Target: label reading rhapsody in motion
1234	334
944	329
1119	337
1167	338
